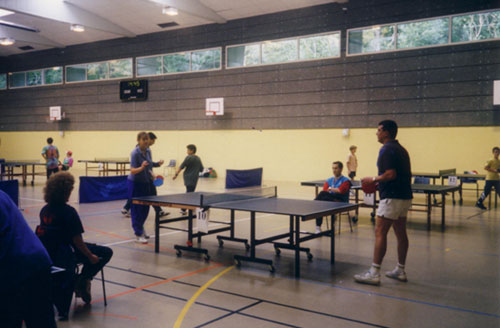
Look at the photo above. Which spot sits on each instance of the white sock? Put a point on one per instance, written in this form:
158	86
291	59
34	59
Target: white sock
375	269
400	268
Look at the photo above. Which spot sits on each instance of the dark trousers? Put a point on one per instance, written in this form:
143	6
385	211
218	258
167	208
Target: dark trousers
51	171
189	189
487	189
153	193
139	213
326	196
31	302
90	270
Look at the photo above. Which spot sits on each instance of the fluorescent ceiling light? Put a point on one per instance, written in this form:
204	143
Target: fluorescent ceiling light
171	11
4	12
7	41
77	28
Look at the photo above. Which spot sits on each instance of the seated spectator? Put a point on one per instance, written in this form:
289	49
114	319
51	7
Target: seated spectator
67	162
60	231
335	189
25	279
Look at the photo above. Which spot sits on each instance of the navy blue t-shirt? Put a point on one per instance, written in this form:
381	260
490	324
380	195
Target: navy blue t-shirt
21	252
393	156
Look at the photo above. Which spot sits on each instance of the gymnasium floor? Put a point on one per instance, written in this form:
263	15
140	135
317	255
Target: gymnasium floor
454	277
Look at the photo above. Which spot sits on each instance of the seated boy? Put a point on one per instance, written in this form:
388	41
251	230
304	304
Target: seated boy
335	189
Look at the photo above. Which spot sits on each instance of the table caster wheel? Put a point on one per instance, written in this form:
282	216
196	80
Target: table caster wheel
277	251
178	253
309	256
221	243
207	258
272	269
354	219
237	263
247	247
461	202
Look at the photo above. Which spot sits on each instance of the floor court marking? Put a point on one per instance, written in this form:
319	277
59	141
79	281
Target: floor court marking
185	310
113	315
157	283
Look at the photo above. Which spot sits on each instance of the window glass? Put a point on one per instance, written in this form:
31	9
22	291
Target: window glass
76	73
373	39
52	75
120	68
474	27
149	66
3	81
205	60
423	33
34	78
246	55
321	46
279	51
17	80
97	71
176	63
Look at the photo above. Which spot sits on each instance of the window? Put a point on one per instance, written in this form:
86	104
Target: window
474	27
423	33
149	66
247	55
205	60
374	39
33	78
182	62
121	68
112	69
3	81
53	75
76	73
176	63
321	46
279	51
17	80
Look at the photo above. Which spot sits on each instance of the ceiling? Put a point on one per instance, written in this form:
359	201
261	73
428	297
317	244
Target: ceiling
44	24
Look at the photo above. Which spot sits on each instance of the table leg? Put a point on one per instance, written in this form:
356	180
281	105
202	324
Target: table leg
157	232
332	239
297	246
24	173
33	175
429	208
443	209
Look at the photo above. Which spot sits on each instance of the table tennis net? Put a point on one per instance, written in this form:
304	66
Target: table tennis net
237	195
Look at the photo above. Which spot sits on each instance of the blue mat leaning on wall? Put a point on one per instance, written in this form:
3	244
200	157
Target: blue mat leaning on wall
102	189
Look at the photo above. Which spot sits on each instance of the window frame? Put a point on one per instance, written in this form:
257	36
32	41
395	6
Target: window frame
99	80
38	85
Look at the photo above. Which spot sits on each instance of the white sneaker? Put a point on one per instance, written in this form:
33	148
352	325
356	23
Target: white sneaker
318	230
184	212
141	240
368	278
145	235
397	274
125	212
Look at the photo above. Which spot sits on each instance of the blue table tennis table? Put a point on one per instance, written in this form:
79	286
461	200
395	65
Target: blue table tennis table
258	200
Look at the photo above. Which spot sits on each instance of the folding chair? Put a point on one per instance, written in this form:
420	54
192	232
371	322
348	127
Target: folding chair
78	269
172	166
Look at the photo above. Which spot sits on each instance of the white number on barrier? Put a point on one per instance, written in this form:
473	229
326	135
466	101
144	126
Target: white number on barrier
452	180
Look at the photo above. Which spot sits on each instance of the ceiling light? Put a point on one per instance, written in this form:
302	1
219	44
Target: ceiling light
7	41
77	28
171	11
4	12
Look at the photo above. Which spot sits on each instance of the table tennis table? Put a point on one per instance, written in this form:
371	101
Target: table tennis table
427	189
253	201
25	166
103	166
445	174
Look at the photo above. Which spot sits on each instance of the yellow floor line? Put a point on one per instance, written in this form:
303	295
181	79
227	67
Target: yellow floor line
181	316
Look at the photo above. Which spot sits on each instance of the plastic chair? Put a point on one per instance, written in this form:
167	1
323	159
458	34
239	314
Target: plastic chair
172	166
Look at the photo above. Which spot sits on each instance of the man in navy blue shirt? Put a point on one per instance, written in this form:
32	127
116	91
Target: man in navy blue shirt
25	281
394	185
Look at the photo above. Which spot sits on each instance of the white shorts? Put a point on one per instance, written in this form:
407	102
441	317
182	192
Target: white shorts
393	209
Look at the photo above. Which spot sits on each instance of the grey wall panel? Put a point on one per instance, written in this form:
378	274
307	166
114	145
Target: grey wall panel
441	86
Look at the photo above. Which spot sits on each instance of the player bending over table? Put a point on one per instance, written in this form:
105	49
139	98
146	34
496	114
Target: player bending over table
335	189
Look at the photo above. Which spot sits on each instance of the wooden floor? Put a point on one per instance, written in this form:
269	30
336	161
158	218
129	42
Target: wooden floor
454	277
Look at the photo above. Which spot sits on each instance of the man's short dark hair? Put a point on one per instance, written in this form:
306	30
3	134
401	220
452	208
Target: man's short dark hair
192	148
391	127
50	140
495	148
339	163
152	136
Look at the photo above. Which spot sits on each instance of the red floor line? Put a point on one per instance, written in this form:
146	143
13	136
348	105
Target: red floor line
158	283
105	232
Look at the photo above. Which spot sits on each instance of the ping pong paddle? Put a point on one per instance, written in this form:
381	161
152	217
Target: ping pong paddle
158	181
369	188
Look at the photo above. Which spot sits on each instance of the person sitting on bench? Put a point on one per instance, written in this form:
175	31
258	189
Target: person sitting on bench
335	189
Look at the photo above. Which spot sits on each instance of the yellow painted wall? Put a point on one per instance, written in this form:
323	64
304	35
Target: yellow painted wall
286	155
